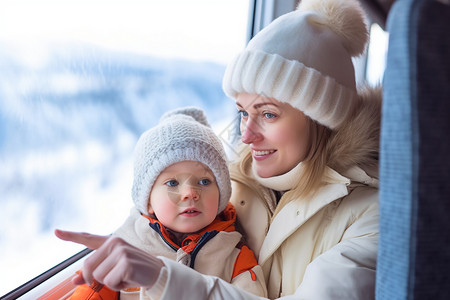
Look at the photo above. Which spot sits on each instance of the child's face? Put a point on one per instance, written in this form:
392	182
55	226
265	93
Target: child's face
185	197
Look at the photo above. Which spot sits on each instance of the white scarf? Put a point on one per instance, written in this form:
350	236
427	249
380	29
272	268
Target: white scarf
283	182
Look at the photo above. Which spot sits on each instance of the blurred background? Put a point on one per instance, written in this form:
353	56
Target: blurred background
80	80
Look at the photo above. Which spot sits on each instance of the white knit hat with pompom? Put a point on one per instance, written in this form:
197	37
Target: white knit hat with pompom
181	134
304	58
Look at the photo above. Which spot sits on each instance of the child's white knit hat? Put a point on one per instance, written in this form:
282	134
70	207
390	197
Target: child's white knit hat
181	134
304	58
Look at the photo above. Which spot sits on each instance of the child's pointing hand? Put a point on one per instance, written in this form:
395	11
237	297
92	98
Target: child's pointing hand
115	263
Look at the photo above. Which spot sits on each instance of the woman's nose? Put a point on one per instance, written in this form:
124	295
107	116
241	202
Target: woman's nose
250	132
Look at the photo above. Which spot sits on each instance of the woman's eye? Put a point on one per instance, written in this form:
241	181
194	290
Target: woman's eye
243	113
204	181
171	183
269	115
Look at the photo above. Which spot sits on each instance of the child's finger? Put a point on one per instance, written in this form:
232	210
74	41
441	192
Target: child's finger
91	241
78	279
101	260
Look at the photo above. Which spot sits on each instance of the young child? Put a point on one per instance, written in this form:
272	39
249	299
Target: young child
181	190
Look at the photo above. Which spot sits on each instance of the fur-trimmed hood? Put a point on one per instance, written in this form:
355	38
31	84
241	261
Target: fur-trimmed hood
356	141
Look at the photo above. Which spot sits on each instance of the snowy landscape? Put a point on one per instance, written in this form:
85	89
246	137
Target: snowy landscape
68	127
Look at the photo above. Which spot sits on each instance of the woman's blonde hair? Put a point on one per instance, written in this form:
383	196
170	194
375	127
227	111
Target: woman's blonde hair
355	143
315	161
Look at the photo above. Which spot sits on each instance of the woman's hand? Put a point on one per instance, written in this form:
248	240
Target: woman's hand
115	263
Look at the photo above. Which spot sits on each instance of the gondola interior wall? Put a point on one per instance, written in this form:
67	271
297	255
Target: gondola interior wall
414	248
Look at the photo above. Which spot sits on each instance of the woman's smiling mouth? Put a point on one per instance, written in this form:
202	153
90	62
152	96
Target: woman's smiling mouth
262	154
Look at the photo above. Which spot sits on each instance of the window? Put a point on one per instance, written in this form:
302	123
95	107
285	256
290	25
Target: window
80	80
377	53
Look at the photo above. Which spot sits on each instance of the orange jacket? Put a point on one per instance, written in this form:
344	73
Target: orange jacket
191	244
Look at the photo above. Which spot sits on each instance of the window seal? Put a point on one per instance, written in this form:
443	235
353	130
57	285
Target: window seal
33	283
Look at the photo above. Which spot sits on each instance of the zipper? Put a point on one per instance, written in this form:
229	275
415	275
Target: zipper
157	228
96	286
203	240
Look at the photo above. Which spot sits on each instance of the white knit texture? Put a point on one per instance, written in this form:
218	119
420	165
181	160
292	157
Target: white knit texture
304	58
317	96
178	137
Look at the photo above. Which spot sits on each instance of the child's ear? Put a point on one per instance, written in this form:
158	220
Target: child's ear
149	205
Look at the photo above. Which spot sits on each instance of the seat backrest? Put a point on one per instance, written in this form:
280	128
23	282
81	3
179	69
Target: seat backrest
414	246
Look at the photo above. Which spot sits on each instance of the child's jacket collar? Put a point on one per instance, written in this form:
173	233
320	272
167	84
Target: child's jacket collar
223	222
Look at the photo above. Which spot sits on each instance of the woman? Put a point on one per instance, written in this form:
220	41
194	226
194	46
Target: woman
305	187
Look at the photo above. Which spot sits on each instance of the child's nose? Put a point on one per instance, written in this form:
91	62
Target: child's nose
190	192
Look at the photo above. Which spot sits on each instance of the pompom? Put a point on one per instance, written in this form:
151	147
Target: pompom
345	17
194	112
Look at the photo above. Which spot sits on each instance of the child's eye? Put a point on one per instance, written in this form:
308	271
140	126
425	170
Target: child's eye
204	181
171	183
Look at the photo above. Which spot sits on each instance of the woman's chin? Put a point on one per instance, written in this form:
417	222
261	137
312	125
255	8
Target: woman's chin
263	172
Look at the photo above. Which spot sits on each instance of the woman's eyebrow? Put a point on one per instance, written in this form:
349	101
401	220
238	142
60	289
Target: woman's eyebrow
258	105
